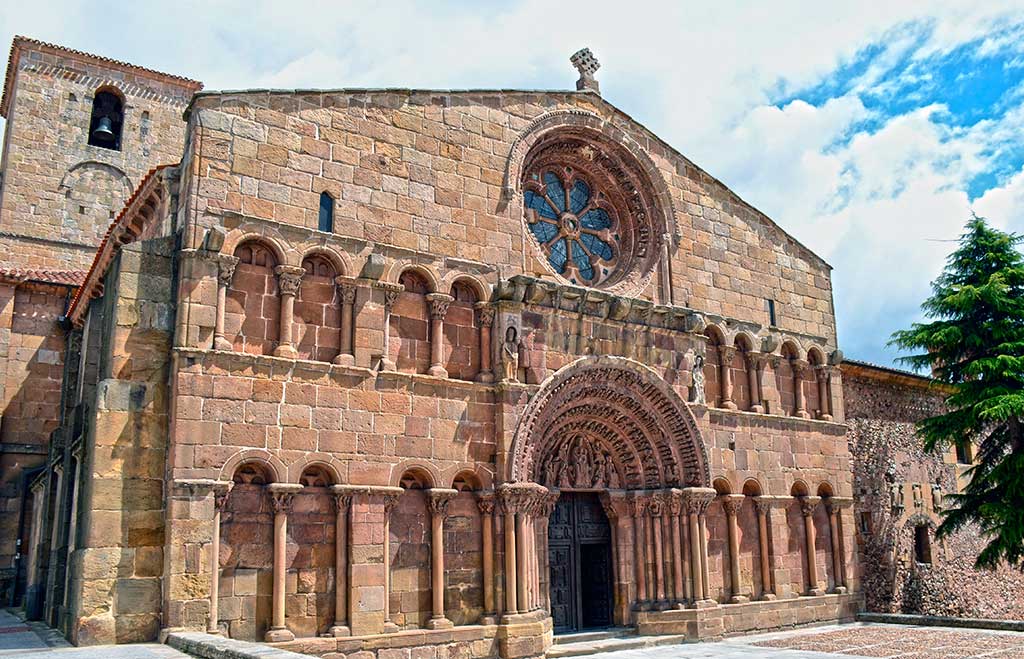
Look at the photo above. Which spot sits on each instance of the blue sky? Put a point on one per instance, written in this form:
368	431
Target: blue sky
869	130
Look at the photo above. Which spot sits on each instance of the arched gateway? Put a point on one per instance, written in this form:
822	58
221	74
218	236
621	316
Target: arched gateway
620	457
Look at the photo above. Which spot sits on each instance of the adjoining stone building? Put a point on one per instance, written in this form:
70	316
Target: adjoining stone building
488	364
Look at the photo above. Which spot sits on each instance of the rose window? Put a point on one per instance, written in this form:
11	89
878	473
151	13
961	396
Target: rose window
574	225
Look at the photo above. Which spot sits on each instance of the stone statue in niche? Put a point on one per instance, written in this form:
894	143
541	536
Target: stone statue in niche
896	497
937	496
918	499
510	354
697	388
581	464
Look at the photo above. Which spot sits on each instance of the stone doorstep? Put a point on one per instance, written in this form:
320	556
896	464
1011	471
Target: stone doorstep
584	648
209	646
599	635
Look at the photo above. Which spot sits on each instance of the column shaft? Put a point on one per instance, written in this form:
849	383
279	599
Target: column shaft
638	559
289	279
347	294
486	506
213	626
341	506
767	592
659	564
677	559
281	496
486	313
696	570
732	504
725	354
511	585
438	309
521	556
705	575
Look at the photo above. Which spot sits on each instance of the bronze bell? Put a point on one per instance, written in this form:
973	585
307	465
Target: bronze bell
104	130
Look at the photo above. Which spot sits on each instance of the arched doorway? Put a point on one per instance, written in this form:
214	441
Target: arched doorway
622	452
580	563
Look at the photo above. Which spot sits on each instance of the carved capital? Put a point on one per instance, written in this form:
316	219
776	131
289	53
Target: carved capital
220	496
485	312
346	289
391	293
485	503
656	506
289	278
438	501
342	498
799	366
726	353
439	303
732	503
697	499
390	500
763	505
637	506
282	500
226	265
808	505
546	504
753	359
675	503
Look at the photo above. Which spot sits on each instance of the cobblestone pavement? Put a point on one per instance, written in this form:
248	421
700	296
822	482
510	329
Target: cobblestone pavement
847	641
33	640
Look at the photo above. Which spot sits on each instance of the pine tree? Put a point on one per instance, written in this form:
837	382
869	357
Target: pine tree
974	343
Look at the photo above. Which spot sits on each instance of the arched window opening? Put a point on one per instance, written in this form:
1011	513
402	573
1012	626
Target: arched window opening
326	222
106	121
922	544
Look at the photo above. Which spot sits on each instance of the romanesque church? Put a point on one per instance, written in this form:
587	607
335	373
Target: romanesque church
459	371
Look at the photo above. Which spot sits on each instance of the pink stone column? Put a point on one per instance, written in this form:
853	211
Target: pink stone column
799	368
675	507
225	273
281	495
391	293
438	500
697	500
508	504
220	499
763	507
485	504
347	294
753	378
438	309
835	528
289	279
342	502
821	373
638	508
390	500
657	509
725	355
486	315
732	504
807	506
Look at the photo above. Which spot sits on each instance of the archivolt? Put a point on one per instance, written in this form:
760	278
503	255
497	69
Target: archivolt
619	411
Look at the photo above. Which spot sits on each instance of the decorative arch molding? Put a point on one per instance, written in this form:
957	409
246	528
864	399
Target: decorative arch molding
482	475
435	479
277	469
480	288
920	519
263	235
73	173
608	422
394	272
328	462
342	264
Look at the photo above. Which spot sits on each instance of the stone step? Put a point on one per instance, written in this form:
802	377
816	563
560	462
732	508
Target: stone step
584	648
596	635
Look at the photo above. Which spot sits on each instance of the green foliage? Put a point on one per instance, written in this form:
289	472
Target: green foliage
974	343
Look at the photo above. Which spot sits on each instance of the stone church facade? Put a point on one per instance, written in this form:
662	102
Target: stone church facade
363	369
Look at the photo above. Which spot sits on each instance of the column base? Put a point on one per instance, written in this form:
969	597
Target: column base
216	631
704	604
386	365
339	629
390	628
815	592
825	417
485	377
220	343
489	619
739	599
728	405
662	605
345	359
278	635
440	623
802	414
757	409
286	351
643	605
767	597
839	590
437	371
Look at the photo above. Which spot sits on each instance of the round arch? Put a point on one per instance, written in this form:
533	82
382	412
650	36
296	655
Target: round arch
236	238
393	274
267	459
340	262
608	422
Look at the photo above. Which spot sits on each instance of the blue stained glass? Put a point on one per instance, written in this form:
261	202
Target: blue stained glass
596	219
578	197
582	261
539	204
558	257
543	231
596	246
556	193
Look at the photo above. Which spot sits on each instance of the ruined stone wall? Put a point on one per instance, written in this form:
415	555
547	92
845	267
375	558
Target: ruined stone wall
59	192
894	480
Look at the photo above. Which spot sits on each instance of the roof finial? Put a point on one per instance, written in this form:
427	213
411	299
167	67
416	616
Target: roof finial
587	65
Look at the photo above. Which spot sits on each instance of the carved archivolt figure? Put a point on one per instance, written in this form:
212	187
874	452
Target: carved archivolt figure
582	464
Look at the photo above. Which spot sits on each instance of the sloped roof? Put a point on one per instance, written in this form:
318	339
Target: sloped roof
20	44
45	275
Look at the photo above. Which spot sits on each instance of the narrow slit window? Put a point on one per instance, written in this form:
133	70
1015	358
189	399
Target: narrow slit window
769	306
326	213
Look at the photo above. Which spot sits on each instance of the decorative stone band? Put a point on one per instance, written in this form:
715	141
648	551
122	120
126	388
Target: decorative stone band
199	488
438	500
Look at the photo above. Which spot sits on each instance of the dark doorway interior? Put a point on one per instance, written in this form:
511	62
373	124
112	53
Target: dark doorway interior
580	558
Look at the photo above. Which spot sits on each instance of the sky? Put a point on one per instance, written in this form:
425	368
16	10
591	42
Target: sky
870	131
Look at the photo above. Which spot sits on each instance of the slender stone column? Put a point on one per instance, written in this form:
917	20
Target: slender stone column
391	293
486	314
657	509
763	507
347	294
833	509
220	500
799	368
732	504
225	273
675	507
289	278
821	373
485	504
522	582
342	501
507	505
438	309
438	500
697	500
756	402
638	507
705	573
807	506
281	496
725	355
389	501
